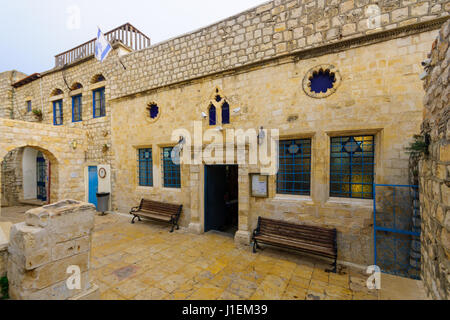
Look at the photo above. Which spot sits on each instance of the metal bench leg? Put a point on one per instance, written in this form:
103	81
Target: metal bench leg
334	267
134	218
255	246
173	226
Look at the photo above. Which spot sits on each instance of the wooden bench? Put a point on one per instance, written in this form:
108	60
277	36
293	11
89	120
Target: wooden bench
313	240
159	211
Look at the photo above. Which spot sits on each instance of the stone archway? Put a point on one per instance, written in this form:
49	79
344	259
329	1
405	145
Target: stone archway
63	147
18	179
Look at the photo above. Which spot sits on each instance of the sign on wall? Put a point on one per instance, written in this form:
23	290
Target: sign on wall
259	185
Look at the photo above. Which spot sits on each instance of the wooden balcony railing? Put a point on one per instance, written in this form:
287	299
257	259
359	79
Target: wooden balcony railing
126	34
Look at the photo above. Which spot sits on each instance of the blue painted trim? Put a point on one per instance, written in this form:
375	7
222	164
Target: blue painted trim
205	205
102	94
409	233
58	102
73	107
374	222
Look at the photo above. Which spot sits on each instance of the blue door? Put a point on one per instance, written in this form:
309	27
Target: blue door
41	177
93	185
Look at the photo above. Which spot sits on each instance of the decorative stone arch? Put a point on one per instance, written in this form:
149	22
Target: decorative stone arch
53	169
76	86
221	104
63	147
56	92
98	78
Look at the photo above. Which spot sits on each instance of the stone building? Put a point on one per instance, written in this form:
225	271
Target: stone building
338	79
435	171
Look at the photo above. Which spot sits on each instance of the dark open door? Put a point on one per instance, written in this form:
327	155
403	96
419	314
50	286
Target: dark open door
215	188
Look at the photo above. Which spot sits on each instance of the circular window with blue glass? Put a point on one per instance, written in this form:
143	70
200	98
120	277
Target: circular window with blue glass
153	112
321	81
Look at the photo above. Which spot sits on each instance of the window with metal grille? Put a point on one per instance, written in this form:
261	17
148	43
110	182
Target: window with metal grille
145	167
171	171
99	103
76	108
294	174
58	112
352	167
29	107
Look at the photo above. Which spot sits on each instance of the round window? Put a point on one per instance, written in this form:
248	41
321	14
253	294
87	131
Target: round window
153	112
321	81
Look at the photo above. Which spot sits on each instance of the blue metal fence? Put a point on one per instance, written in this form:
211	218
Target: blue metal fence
397	227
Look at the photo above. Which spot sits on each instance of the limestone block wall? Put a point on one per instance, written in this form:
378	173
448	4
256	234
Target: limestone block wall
273	29
380	94
11	178
7	92
57	144
42	248
270	30
435	172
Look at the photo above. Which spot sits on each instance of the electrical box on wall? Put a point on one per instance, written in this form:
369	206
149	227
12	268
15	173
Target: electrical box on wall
104	178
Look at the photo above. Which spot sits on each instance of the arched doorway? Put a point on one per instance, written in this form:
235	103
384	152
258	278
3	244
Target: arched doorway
28	178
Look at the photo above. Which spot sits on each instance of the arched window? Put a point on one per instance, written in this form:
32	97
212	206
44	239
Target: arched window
56	92
98	78
76	86
212	115
225	113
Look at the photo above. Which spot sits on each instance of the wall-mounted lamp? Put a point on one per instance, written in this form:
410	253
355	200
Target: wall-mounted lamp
74	144
261	135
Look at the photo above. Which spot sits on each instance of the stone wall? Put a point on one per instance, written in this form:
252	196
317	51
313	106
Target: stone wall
41	249
12	178
7	92
435	172
380	94
64	147
259	35
271	30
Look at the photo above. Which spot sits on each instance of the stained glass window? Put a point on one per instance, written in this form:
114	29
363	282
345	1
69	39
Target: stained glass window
352	167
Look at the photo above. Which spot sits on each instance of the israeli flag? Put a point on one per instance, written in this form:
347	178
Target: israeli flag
102	47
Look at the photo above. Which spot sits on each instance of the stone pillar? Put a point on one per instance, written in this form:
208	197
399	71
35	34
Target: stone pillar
195	225
243	236
4	241
41	249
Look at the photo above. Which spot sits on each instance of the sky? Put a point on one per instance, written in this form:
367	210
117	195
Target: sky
33	32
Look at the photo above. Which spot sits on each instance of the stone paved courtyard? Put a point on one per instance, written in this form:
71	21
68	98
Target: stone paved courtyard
145	261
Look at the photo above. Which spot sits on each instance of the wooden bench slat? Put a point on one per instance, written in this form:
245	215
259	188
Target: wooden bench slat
327	246
317	240
299	235
296	244
160	211
155	216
